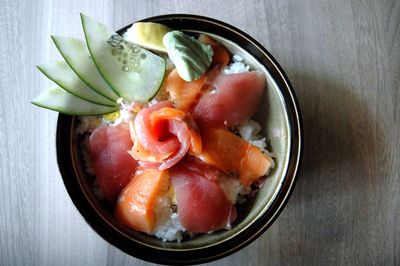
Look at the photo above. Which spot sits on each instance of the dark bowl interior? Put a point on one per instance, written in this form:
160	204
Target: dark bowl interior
280	119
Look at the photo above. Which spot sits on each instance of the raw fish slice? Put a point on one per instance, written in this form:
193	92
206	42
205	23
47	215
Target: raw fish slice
181	131
136	204
202	205
114	167
149	135
185	95
182	93
163	135
178	129
235	99
233	155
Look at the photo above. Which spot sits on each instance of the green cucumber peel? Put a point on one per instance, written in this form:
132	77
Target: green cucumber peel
133	72
65	77
57	99
76	54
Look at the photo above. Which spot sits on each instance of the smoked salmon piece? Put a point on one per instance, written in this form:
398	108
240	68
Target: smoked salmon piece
185	95
234	99
113	166
202	205
233	155
163	135
135	205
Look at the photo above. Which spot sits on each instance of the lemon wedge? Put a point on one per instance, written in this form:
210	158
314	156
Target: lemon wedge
112	116
148	35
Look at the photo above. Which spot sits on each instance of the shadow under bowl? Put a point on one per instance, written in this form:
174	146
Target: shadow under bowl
280	119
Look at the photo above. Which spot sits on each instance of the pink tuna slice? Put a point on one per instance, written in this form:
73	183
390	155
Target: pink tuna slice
113	165
202	205
235	99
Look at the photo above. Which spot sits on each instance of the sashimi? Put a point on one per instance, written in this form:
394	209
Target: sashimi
150	136
233	101
113	166
185	95
233	155
136	204
202	205
182	93
163	135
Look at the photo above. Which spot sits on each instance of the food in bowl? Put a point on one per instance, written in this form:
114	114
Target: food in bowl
167	125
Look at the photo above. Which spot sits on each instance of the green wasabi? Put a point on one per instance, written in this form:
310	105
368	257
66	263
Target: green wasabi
191	57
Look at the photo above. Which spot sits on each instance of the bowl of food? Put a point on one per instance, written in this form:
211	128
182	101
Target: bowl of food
179	136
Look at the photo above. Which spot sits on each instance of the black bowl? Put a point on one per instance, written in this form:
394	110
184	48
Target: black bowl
280	118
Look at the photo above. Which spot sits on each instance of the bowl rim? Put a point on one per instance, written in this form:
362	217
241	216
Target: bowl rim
65	163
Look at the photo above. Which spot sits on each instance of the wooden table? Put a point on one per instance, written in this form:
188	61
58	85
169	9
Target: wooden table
343	59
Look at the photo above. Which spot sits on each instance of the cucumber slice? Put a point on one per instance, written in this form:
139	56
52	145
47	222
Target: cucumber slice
59	100
65	77
77	56
134	73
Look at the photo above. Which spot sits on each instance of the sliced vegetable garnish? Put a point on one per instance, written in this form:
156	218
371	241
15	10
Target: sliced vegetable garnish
76	54
59	100
65	77
191	57
148	34
134	73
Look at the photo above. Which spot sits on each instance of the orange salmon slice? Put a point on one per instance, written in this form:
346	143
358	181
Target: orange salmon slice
233	155
183	93
135	206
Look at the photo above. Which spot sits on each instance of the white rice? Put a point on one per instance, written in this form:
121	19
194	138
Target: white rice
170	230
237	66
167	227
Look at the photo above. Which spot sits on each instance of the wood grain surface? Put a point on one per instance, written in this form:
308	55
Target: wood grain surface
343	59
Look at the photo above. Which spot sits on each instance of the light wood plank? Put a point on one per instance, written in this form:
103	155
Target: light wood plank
343	58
